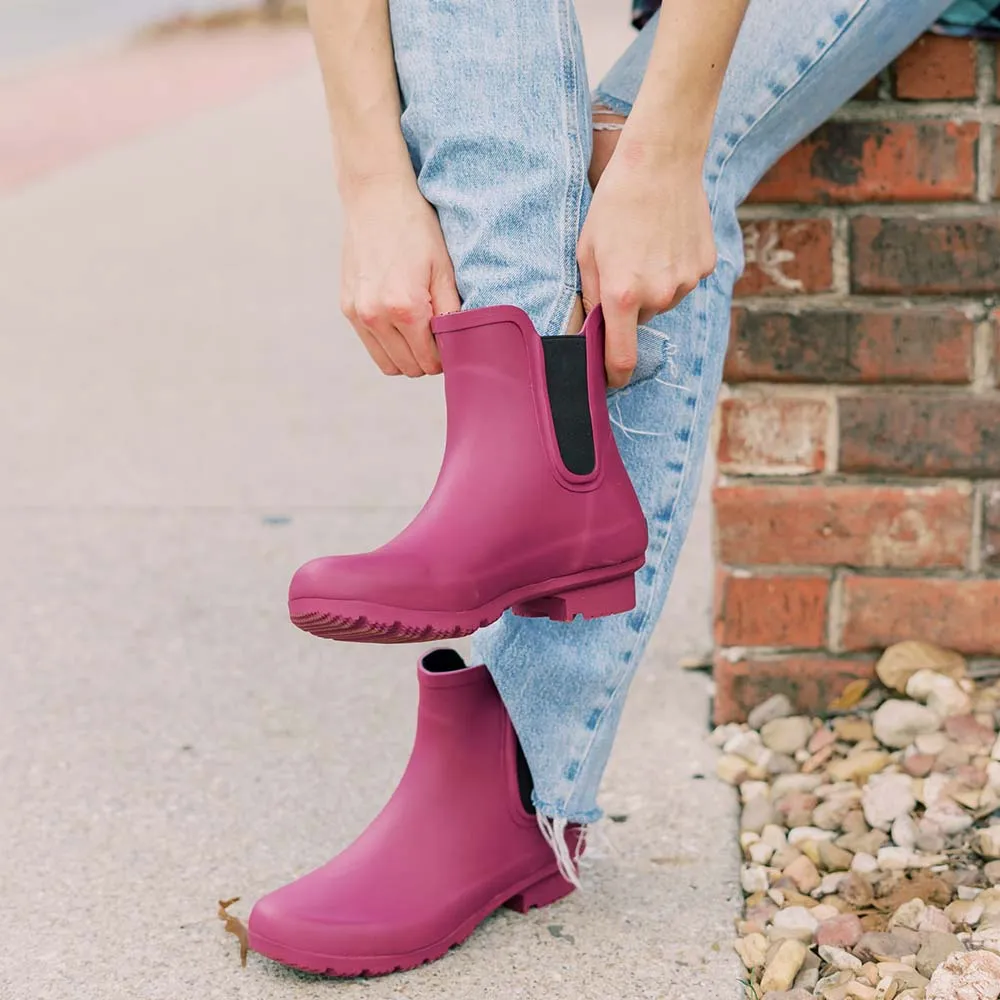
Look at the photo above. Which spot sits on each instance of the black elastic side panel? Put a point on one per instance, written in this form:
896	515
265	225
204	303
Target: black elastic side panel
443	661
566	378
525	783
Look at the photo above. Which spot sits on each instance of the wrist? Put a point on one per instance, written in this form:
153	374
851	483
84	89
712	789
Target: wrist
660	150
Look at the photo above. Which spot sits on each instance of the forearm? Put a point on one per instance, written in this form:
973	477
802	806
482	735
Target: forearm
354	47
673	111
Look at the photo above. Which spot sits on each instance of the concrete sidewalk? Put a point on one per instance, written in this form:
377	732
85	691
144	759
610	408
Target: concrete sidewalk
183	419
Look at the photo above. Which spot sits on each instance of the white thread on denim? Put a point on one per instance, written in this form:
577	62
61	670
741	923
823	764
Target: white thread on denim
554	832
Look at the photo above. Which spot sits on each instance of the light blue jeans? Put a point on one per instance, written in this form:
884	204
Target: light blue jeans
497	117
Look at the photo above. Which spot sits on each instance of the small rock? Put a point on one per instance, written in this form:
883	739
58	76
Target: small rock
852	729
897	723
834	986
801	834
721	735
824	911
908	915
886	797
830	884
995	752
905	975
859	765
901	661
930	837
799	993
947	816
776	707
731	769
952	756
919	765
935	919
860	991
897	859
783	857
794	922
821	739
752	950
756	814
839	958
864	864
967	975
840	932
934	949
986	842
774	835
833	858
964	911
904	831
780	763
746	745
931	743
784	965
804	874
939	693
830	815
886	947
787	735
760	853
865	843
754	878
992	872
970	732
797	808
786	784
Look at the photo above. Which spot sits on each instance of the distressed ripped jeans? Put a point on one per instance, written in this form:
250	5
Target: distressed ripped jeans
497	117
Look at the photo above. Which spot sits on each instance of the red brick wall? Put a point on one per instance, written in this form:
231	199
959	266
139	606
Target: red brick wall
860	425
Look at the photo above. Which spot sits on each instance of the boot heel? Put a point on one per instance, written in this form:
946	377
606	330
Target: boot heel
610	598
548	890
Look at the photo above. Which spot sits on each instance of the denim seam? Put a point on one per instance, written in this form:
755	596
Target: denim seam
774	104
561	311
662	549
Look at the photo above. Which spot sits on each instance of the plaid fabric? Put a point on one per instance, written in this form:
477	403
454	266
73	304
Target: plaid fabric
965	18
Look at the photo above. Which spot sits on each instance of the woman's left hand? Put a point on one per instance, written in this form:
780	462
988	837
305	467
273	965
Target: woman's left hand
646	243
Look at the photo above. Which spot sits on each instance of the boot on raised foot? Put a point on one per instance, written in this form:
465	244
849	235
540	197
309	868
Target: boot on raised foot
532	510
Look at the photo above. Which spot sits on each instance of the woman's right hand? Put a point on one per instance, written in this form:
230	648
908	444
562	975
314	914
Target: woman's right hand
396	274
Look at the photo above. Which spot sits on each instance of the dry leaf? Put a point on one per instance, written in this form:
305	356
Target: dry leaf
901	661
235	926
922	885
850	696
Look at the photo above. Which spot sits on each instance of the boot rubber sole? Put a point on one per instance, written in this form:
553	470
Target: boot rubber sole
594	593
537	891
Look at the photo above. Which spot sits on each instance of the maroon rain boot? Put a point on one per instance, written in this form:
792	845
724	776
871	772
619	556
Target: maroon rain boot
455	842
532	509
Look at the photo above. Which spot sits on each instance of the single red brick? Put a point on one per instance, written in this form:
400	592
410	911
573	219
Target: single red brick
957	614
936	68
850	345
920	434
829	525
772	611
787	256
925	256
852	162
776	435
811	682
991	527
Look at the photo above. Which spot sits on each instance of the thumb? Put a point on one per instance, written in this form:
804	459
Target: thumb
444	293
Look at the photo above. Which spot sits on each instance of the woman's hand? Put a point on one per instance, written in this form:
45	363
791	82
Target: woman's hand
396	274
646	243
